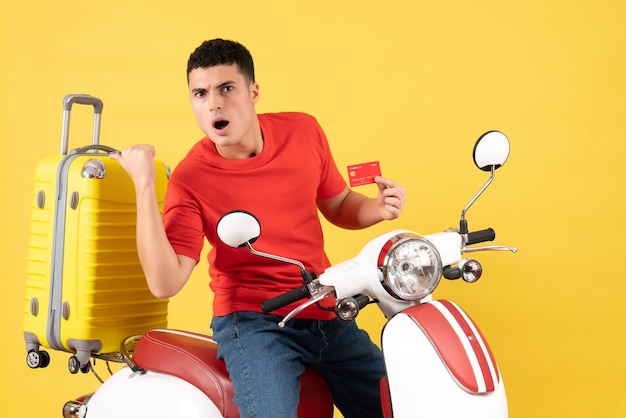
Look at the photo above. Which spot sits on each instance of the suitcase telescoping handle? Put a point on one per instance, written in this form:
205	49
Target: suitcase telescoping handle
85	99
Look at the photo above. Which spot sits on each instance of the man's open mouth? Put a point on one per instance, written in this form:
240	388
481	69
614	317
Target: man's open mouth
220	124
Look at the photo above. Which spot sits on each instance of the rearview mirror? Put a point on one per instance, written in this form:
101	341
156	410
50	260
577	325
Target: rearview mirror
237	228
491	150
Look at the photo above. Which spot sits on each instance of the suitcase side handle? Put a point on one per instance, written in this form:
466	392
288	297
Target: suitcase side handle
97	147
85	99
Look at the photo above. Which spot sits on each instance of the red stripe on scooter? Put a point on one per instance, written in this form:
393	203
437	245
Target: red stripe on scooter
472	338
438	320
494	371
446	342
385	250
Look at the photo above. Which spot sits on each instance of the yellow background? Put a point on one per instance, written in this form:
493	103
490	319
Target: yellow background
409	83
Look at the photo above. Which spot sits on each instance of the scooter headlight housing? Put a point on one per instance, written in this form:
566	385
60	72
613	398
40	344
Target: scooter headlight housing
410	266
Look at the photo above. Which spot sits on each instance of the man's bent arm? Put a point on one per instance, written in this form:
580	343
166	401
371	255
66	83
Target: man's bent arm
352	210
166	272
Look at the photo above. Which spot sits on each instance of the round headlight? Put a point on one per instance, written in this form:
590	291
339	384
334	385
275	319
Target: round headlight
411	267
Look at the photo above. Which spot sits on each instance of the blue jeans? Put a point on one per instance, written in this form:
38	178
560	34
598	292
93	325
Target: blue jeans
265	362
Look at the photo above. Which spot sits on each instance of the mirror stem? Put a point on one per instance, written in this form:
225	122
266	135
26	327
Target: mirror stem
275	257
463	224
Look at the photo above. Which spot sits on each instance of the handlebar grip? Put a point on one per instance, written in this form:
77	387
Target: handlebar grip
481	236
285	299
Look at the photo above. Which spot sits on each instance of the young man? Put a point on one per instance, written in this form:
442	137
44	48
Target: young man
278	167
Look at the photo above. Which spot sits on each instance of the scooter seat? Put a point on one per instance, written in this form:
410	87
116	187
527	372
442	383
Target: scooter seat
193	357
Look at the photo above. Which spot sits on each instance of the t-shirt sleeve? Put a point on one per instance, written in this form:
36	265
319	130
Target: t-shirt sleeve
182	220
331	181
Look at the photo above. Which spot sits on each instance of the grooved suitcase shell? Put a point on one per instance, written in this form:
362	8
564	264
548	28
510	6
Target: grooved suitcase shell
103	295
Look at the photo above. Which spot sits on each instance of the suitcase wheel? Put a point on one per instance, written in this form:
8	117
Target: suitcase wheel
74	366
37	359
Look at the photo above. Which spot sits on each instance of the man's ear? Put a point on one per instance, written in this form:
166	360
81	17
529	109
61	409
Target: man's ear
254	92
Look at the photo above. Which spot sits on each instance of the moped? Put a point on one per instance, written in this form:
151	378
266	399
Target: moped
438	363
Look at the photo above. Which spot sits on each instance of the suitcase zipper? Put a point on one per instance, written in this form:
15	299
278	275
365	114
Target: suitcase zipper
58	246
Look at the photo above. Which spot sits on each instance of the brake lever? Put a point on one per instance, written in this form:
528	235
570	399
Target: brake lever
490	248
324	292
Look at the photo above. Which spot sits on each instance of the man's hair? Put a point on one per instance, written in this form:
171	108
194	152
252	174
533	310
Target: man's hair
222	52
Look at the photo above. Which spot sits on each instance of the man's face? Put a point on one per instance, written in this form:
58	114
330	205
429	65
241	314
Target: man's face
223	104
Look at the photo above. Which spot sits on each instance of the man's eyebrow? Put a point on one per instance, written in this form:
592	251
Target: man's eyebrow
219	86
226	83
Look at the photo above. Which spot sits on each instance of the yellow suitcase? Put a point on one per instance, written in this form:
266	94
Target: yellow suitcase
85	289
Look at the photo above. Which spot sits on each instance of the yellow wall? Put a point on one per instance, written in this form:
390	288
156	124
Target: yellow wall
410	83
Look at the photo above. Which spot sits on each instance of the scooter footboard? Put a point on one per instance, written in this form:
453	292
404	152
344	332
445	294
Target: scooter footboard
438	363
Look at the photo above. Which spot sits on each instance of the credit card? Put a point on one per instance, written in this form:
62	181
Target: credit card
360	174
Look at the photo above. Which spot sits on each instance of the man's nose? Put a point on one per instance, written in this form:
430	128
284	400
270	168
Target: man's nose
215	102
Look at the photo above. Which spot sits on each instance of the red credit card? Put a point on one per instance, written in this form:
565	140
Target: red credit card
360	174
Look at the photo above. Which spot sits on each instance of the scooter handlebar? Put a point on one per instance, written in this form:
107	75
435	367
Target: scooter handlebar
285	299
481	236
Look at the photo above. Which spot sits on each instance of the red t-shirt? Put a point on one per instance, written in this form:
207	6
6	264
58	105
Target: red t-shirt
280	187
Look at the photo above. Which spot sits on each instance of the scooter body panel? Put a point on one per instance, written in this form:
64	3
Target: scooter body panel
438	378
184	378
149	394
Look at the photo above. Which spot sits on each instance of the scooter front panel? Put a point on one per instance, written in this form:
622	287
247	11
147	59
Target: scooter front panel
420	373
460	344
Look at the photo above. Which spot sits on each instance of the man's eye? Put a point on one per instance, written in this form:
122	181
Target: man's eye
226	89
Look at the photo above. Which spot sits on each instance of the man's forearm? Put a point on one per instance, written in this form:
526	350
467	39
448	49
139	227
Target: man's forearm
157	257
